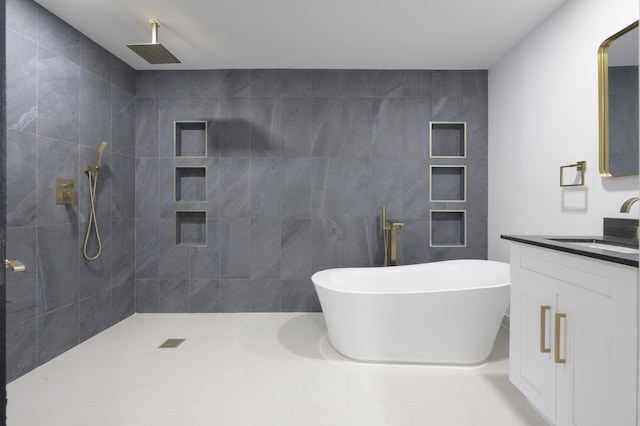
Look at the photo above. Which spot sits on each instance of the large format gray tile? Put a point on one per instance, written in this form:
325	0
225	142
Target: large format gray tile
281	82
265	248
123	122
174	295
57	332
123	240
266	296
147	128
21	81
235	295
94	315
58	36
21	178
21	287
22	16
21	349
204	296
95	59
235	191
95	275
296	249
266	187
296	188
235	243
147	249
123	299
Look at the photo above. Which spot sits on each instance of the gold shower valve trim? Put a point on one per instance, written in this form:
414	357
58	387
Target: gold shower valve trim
65	192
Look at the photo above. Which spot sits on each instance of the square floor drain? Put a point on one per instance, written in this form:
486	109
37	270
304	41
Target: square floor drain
172	343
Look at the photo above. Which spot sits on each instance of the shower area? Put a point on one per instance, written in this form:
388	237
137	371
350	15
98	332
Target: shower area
218	190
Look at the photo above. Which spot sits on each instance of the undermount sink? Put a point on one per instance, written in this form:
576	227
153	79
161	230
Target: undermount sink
598	244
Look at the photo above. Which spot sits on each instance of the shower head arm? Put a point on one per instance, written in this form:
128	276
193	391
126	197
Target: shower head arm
154	30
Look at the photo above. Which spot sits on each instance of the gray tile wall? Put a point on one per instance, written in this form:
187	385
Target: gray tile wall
299	162
65	94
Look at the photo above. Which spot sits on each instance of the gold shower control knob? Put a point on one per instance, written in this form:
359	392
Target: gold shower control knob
14	265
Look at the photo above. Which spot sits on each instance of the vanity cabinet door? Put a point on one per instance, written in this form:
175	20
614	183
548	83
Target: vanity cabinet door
531	366
596	385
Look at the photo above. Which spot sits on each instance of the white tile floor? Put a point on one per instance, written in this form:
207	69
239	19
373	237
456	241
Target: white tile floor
253	370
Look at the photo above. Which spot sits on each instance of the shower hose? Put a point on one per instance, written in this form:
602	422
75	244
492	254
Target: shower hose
93	221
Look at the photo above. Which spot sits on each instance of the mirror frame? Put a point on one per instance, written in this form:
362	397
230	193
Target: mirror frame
603	100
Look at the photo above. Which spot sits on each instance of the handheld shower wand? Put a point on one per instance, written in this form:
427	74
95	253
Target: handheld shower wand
92	173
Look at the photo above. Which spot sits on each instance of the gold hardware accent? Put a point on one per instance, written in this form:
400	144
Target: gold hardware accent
543	328
65	192
390	231
581	167
626	206
603	100
464	228
14	265
463	124
556	356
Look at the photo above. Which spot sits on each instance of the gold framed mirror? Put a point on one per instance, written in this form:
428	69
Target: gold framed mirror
618	103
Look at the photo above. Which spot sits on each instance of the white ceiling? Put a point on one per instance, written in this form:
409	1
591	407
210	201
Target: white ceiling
365	34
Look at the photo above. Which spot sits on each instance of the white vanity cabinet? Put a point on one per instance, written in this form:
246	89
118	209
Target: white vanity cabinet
574	336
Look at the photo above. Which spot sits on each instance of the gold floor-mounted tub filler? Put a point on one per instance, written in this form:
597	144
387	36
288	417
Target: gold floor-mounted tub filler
390	231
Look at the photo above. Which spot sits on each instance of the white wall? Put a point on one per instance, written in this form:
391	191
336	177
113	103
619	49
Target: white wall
543	113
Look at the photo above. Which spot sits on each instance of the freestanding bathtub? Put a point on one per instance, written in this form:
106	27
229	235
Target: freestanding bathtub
445	312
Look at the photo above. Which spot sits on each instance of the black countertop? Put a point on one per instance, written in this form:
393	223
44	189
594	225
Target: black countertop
550	242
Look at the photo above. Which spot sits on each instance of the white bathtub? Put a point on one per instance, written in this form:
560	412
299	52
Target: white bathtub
437	313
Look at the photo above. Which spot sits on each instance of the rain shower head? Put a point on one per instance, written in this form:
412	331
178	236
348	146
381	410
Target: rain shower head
154	52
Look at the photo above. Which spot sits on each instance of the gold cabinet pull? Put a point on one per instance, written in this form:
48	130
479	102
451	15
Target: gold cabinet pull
14	265
543	329
557	358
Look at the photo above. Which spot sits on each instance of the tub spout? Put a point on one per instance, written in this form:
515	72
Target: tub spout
626	206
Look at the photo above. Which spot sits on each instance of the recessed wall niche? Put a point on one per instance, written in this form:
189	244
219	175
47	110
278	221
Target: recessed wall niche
191	228
447	139
448	183
191	183
448	228
190	138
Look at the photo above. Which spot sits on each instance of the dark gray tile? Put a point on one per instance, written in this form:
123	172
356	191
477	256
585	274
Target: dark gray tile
446	108
235	295
415	190
296	249
233	121
416	116
174	296
265	248
359	127
95	59
235	240
57	332
475	83
147	249
326	244
21	178
174	259
265	127
446	82
58	36
21	287
416	83
94	315
167	186
358	83
57	252
296	128
123	301
123	194
147	188
147	296
327	83
266	188
123	241
326	188
233	83
22	16
123	122
148	83
296	188
21	82
95	275
58	97
357	187
387	83
171	110
388	186
147	127
280	82
122	75
21	349
205	261
204	296
235	187
299	296
359	241
388	133
328	119
414	241
266	296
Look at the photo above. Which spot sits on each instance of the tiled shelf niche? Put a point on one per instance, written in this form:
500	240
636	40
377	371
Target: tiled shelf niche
191	228
190	138
191	183
448	139
448	228
448	183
